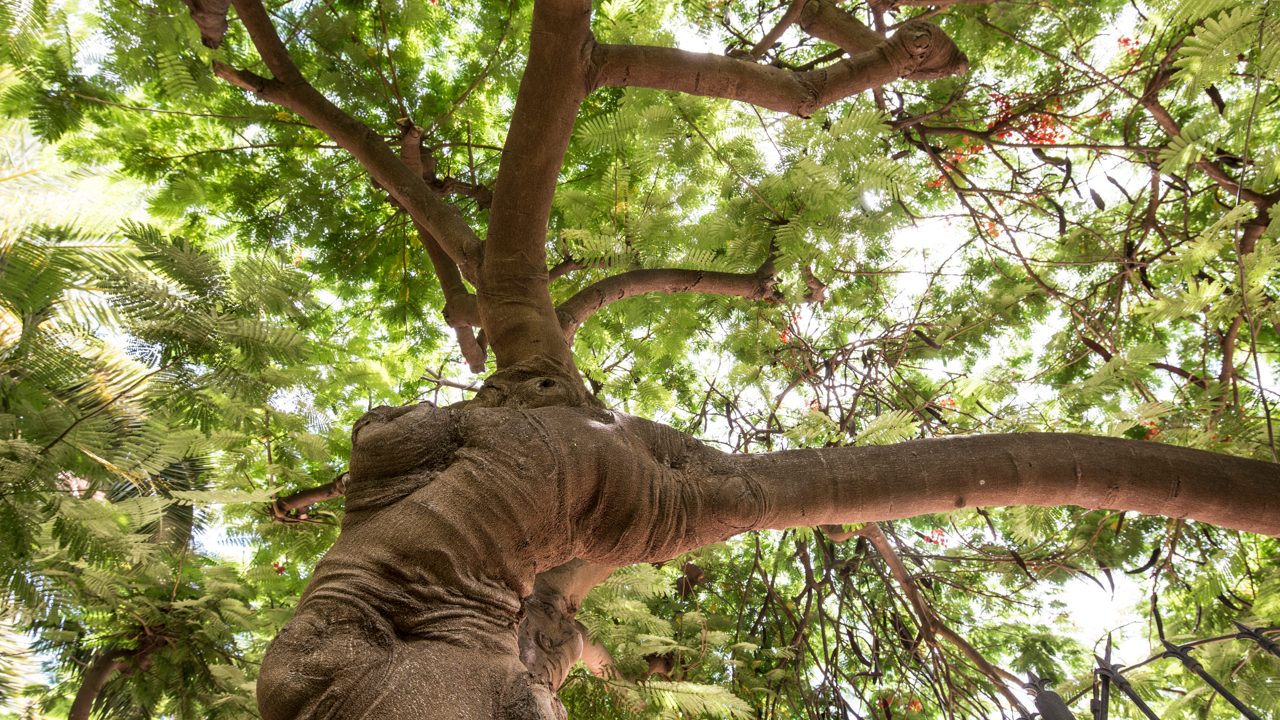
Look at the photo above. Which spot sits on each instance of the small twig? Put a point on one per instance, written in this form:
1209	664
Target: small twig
177	580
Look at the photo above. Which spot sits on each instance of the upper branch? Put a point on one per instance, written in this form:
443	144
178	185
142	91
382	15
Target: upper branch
918	50
515	305
1151	101
593	298
827	21
289	89
460	310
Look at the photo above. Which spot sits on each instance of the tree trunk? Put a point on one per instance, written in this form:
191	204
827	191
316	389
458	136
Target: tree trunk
94	678
452	513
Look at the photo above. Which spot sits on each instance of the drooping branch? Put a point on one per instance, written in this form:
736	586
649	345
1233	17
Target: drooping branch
1212	169
932	625
1188	376
290	90
753	286
918	49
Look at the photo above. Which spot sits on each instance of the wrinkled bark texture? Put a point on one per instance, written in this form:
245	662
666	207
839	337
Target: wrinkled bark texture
451	514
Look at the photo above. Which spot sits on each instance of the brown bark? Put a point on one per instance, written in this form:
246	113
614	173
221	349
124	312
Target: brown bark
94	678
918	49
423	579
550	640
574	311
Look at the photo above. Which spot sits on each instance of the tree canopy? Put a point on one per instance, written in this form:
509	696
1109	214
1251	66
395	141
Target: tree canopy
807	238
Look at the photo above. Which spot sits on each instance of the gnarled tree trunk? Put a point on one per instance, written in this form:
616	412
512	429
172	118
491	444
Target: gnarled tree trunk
451	515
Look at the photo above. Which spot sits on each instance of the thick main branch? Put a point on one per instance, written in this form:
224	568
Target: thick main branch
515	307
452	514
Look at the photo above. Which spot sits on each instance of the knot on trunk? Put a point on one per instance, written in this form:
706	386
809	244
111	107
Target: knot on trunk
925	52
549	641
211	17
534	383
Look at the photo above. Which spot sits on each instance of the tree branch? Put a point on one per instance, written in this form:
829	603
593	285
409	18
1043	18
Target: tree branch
928	476
1151	101
281	507
560	483
290	90
790	16
133	386
94	678
918	50
516	311
827	21
593	298
100	670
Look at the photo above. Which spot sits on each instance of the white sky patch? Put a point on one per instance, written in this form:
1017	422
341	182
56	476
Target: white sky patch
689	38
925	250
213	539
1092	612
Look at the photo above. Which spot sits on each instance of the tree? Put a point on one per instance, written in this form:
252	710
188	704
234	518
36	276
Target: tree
419	602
